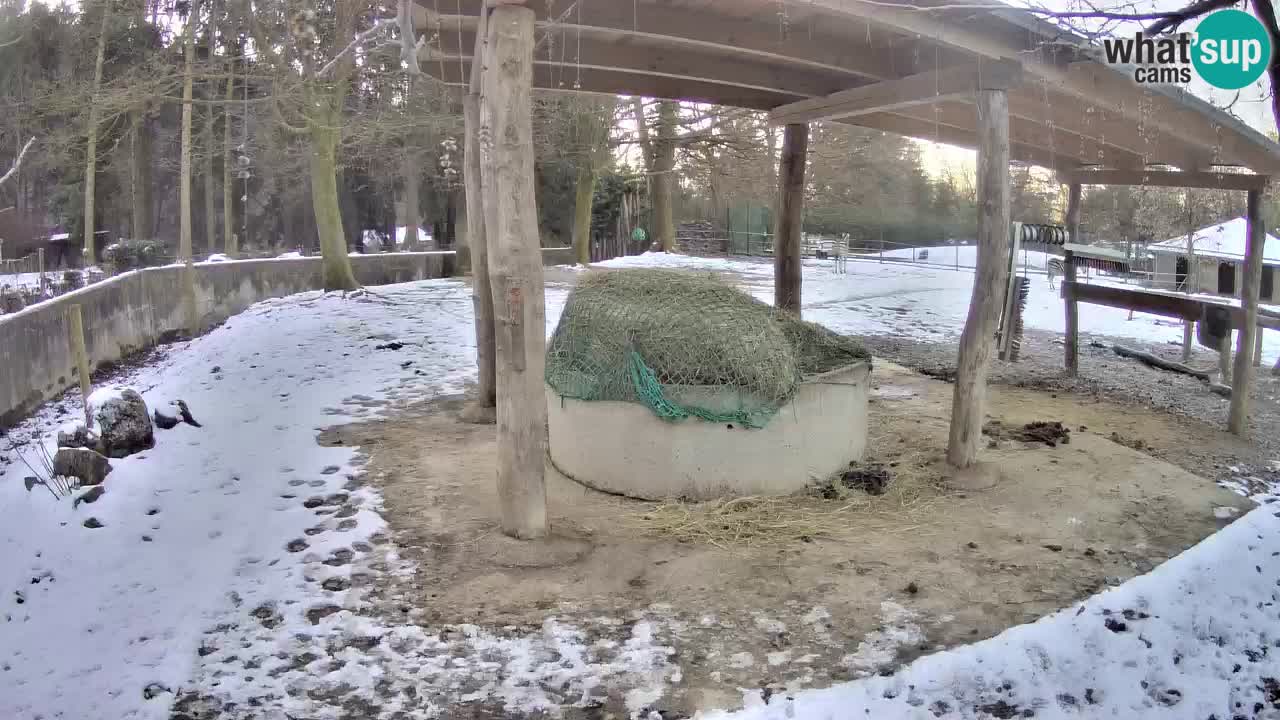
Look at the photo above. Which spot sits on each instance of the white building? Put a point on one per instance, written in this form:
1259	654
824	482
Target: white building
1219	261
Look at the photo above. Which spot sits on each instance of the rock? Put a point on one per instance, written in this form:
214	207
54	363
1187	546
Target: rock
87	465
76	435
93	523
89	496
124	424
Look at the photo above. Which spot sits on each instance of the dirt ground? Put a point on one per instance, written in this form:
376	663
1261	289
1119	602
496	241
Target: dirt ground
885	580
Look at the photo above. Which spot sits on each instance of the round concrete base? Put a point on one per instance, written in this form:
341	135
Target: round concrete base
624	448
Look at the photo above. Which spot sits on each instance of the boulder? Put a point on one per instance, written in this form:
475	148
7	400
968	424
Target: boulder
88	465
76	435
124	424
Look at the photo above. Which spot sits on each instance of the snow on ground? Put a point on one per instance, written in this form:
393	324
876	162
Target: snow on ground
926	302
1197	638
225	559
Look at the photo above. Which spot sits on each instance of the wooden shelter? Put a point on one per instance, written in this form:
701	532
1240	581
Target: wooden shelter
999	80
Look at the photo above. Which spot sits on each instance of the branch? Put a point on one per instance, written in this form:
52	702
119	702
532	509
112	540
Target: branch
17	164
379	26
408	44
1195	9
1267	14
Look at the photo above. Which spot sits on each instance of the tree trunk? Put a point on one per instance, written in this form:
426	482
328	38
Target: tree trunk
515	265
586	189
91	145
324	201
1238	422
664	179
477	242
140	176
230	240
989	281
412	193
184	180
788	226
210	213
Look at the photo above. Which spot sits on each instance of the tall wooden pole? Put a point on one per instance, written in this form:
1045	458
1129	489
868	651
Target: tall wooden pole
477	255
1072	344
1243	372
515	268
989	281
788	227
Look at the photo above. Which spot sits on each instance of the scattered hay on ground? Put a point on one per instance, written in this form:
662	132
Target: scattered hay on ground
827	510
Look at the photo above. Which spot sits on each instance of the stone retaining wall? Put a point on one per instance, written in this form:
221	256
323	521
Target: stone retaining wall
138	309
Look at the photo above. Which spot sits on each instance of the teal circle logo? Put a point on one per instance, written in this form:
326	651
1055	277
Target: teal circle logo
1231	50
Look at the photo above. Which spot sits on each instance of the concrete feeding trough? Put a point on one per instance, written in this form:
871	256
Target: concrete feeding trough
624	448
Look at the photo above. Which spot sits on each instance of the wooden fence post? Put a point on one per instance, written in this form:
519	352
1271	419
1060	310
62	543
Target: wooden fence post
1072	344
788	227
40	264
978	339
75	322
515	269
1243	372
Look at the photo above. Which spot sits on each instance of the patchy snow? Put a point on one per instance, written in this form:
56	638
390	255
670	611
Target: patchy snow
218	258
1198	637
290	255
227	558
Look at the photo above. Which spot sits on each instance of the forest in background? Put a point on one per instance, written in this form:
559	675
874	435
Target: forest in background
293	142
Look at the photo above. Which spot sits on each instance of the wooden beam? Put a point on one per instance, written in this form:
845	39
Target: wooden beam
515	267
977	340
1192	121
683	63
1181	307
1083	149
1167	178
1035	102
656	25
787	262
1238	420
890	95
617	82
938	132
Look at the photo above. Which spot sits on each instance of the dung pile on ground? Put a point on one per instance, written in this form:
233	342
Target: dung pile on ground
665	339
1050	433
872	479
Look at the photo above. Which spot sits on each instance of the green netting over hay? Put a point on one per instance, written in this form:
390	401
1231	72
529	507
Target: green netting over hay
675	341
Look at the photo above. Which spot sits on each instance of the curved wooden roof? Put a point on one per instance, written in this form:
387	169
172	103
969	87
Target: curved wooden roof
883	64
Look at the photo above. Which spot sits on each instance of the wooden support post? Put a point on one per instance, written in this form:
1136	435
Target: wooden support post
40	265
1238	421
1224	359
991	274
515	268
477	254
75	323
1072	345
788	228
1257	349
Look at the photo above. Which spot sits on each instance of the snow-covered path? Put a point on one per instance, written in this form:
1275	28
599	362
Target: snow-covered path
248	517
91	617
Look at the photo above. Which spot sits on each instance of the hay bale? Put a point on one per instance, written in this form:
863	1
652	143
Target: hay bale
651	336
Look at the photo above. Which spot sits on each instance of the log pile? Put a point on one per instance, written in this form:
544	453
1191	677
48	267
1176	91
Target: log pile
701	238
